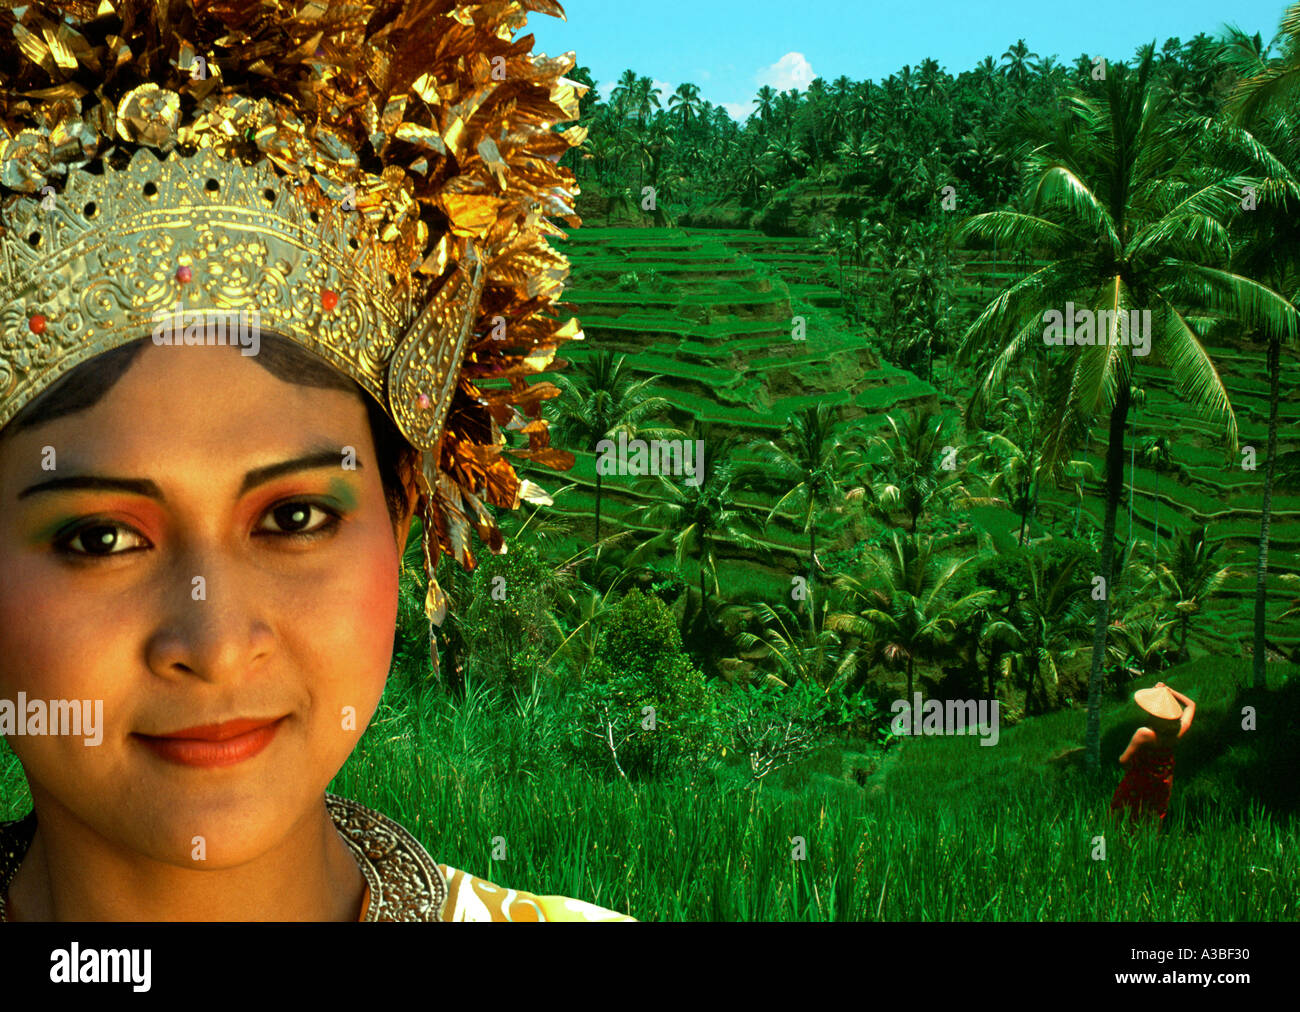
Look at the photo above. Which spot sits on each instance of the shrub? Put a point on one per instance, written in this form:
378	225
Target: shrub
499	623
773	727
642	705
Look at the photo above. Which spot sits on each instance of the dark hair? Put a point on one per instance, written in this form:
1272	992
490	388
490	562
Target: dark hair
83	387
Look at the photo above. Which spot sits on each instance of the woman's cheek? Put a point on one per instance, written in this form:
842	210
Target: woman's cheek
357	645
56	648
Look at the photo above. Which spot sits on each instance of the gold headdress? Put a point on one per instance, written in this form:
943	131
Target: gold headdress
373	179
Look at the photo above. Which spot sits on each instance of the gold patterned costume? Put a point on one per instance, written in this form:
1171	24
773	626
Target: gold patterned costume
374	180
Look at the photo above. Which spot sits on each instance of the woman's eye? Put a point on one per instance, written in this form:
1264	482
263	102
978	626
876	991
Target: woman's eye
290	520
101	538
294	519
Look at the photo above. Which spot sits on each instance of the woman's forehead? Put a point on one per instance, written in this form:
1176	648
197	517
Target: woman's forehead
209	407
214	386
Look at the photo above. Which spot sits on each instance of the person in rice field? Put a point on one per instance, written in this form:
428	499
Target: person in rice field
1143	794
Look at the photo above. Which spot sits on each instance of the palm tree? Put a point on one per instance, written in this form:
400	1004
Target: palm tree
601	400
788	156
1276	81
585	608
1129	224
864	106
1190	576
909	471
765	100
619	199
834	240
1140	642
986	166
1048	69
698	519
1010	458
996	637
1291	579
930	84
645	99
813	655
1076	477
750	176
1015	473
1155	455
1047	614
605	150
1138	398
656	141
1016	64
922	280
810	466
623	95
857	152
907	601
1265	134
686	102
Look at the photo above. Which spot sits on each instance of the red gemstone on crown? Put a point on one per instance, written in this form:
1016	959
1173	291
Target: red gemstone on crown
329	299
37	324
424	402
184	275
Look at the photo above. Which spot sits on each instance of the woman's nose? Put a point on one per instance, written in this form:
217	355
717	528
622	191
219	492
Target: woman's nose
211	623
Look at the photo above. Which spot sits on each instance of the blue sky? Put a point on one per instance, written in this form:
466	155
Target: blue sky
730	48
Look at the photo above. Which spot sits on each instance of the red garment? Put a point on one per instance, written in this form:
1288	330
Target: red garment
1146	786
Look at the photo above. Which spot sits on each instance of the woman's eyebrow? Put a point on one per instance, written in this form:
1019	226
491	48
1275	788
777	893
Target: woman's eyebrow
145	487
316	459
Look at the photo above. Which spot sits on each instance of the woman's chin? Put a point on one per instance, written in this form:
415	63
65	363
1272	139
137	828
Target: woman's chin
210	830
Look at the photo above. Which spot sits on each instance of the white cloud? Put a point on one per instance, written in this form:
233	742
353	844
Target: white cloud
739	111
791	71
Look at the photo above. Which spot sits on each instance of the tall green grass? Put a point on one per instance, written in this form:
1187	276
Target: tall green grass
944	829
947	829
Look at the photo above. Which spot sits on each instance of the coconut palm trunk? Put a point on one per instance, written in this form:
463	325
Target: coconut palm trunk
1266	509
812	565
1114	484
1030	489
1155	519
1078	506
704	594
1132	484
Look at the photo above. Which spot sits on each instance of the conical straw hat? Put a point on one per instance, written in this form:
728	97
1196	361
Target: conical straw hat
1159	702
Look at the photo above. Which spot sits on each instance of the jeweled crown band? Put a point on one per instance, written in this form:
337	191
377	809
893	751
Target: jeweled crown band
92	268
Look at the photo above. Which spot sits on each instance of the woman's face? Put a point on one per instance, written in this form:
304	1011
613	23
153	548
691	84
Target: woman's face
155	569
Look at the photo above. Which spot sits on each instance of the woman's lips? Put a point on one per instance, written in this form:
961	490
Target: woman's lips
214	744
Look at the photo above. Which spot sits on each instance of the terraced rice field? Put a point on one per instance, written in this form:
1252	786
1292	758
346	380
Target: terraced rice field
715	321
